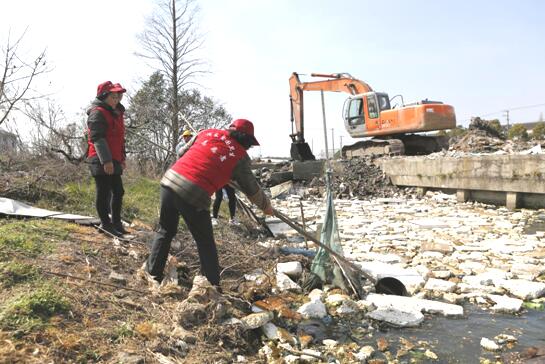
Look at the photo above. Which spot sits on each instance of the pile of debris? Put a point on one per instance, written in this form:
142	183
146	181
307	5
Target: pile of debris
484	137
359	178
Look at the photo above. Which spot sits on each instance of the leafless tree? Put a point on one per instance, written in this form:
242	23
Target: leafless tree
170	41
53	134
18	76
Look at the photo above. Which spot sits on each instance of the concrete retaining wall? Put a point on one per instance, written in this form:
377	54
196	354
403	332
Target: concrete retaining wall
518	180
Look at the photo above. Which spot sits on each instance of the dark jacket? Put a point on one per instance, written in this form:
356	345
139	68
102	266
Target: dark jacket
106	137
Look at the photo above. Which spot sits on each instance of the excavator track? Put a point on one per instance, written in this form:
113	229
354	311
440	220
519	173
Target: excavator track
408	144
375	147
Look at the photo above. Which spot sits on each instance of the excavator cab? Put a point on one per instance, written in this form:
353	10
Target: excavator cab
361	110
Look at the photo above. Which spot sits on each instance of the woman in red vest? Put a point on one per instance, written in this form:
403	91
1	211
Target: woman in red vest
208	162
106	156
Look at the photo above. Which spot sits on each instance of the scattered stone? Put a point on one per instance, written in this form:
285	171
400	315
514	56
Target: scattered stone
489	345
117	278
255	320
270	330
436	247
284	283
336	299
439	285
130	358
504	338
365	353
396	317
312	357
430	354
329	343
313	309
523	289
505	304
291	269
414	304
441	274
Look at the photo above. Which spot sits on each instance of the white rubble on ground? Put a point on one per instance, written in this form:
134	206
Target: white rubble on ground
313	309
397	317
291	269
440	248
410	304
284	283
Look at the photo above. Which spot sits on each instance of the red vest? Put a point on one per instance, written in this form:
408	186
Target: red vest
115	135
210	161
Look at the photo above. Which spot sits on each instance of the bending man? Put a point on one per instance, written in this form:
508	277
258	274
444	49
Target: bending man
207	163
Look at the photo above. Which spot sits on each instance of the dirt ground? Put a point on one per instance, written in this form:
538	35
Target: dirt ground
119	319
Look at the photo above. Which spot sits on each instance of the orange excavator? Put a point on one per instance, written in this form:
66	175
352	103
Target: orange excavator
367	113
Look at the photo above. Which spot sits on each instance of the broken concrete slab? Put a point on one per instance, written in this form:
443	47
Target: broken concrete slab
277	178
396	317
440	285
313	309
255	320
284	283
281	189
523	289
414	304
291	269
505	304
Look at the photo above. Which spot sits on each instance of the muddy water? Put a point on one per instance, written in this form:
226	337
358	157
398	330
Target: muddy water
458	340
535	226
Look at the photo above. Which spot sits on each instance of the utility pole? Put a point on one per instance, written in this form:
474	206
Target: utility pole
332	143
507	116
341	138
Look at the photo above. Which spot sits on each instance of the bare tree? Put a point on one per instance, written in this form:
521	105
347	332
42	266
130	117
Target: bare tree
148	129
171	42
54	134
17	78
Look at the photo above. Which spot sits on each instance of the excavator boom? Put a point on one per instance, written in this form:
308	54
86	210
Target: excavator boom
336	83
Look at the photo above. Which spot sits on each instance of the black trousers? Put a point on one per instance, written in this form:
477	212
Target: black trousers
109	197
219	197
200	226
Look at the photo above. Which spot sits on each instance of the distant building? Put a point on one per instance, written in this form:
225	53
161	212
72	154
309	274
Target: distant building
8	142
530	126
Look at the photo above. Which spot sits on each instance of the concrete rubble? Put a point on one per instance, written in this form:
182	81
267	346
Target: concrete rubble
440	248
448	255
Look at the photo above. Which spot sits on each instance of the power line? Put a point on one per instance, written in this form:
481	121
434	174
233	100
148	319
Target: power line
509	109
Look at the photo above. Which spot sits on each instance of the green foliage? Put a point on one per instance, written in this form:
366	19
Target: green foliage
459	131
530	305
31	237
496	126
491	127
32	310
538	132
14	272
122	331
141	200
518	131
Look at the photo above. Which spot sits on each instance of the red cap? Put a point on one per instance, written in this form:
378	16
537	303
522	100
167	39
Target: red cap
246	127
108	86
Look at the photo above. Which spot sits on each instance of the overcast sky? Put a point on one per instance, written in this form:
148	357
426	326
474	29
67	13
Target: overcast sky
482	57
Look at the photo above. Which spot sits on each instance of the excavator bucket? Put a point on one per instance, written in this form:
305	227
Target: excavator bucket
301	152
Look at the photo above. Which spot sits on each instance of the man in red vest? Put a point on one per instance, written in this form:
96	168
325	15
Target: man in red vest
208	162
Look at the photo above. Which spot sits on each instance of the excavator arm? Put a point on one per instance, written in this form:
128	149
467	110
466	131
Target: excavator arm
338	82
